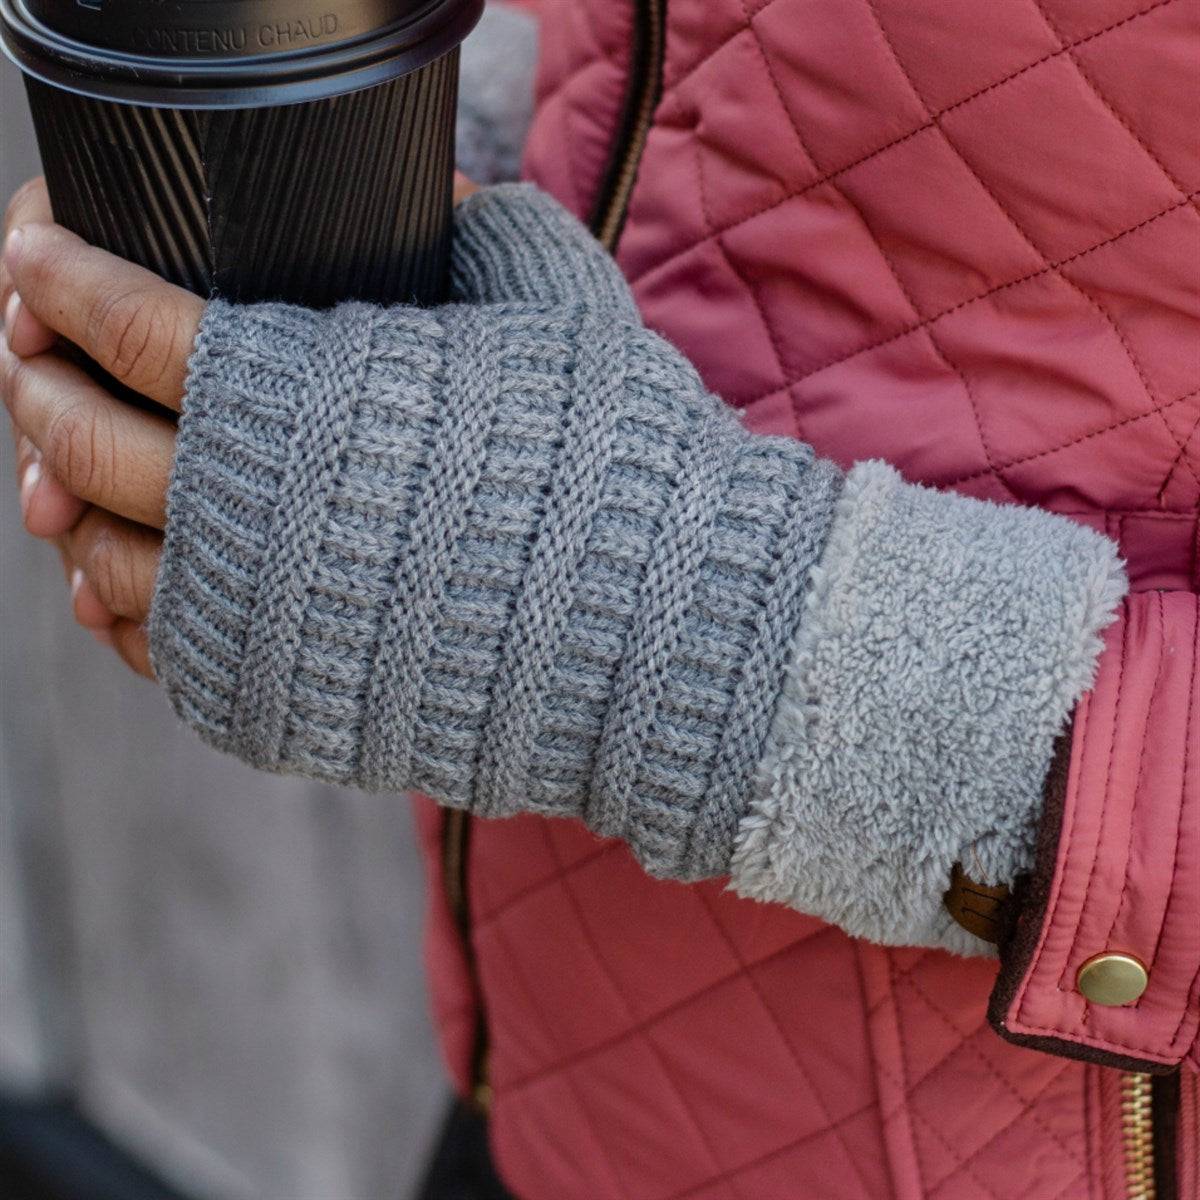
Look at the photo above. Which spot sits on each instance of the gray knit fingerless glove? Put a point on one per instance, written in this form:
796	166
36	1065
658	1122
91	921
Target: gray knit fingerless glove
511	553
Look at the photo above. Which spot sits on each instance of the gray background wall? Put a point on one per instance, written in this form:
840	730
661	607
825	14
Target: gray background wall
224	966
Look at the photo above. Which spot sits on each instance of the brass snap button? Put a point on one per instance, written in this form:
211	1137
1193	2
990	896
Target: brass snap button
1112	979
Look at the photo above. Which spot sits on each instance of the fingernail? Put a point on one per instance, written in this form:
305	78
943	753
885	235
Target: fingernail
10	313
29	481
102	636
12	247
76	582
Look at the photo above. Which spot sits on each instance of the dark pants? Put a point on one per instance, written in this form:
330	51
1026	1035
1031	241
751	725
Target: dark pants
461	1168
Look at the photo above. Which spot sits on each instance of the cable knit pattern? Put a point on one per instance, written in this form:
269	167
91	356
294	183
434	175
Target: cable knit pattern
511	553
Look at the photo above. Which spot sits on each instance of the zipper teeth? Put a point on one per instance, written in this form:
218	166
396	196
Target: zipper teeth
609	226
1137	1136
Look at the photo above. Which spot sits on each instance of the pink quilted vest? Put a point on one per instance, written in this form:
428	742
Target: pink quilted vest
962	237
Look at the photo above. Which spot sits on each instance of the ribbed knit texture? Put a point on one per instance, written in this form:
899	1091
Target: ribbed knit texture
508	552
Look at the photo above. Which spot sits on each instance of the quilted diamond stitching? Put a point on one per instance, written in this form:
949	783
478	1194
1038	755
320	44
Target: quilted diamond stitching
893	142
912	1085
983	1191
1053	265
484	919
1099	94
1180	445
1156	406
1177	459
772	335
1108	428
795	1056
780	1151
965	1165
927	1085
1172	424
730	1175
986	1063
1026	1105
939	350
670	84
1025	236
680	1093
908	1090
610	1166
520	1082
907	971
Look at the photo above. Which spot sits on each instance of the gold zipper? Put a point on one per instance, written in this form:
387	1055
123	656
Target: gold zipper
1137	1135
641	101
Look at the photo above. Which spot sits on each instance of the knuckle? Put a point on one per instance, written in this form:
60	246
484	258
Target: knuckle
47	267
75	451
64	451
131	332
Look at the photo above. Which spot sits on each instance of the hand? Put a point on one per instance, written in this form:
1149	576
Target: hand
93	469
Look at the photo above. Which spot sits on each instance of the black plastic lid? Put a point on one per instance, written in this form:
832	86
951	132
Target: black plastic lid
228	53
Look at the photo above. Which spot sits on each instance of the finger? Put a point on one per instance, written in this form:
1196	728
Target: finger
99	449
29	203
89	611
25	333
131	643
119	561
137	326
47	508
463	187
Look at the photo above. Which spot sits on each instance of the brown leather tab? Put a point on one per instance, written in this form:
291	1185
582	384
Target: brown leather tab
978	908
